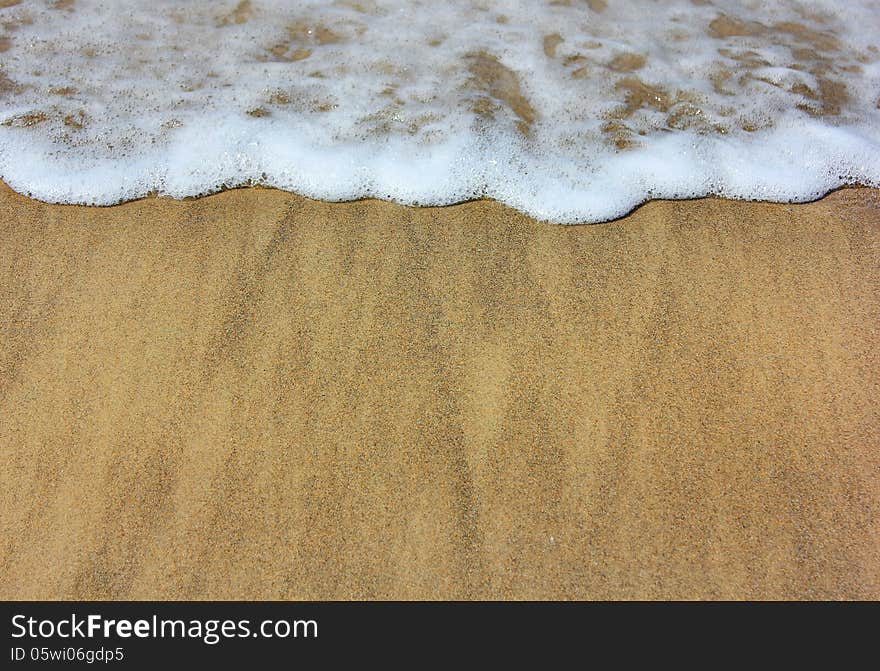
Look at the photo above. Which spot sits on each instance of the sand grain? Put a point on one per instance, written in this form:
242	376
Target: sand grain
255	395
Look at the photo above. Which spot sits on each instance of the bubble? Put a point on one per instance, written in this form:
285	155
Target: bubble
568	111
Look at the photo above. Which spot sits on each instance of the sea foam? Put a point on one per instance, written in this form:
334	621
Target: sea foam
571	111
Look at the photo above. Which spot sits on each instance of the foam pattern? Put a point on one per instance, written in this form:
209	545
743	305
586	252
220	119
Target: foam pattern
570	111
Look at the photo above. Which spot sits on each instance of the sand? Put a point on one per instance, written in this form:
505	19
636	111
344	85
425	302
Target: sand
258	396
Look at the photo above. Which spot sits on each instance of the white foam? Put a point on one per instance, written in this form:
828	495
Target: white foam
433	103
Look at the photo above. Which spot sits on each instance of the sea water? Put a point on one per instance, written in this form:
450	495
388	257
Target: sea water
568	110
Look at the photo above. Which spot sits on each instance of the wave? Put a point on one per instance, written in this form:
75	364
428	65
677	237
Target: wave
570	111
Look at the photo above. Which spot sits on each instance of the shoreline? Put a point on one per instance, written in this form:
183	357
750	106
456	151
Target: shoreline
154	196
253	395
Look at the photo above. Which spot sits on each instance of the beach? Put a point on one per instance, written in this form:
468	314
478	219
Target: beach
254	395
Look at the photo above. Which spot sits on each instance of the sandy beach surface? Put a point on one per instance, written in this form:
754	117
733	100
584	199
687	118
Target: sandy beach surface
254	395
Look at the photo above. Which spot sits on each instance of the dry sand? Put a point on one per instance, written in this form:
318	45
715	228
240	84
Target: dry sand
255	395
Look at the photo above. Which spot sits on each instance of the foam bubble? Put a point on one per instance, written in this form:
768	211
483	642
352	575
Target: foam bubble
570	111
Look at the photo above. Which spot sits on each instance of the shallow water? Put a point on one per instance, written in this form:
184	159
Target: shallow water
569	110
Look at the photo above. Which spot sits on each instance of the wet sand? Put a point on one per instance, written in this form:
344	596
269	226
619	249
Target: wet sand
258	396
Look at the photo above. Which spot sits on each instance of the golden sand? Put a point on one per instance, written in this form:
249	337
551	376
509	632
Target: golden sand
255	395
